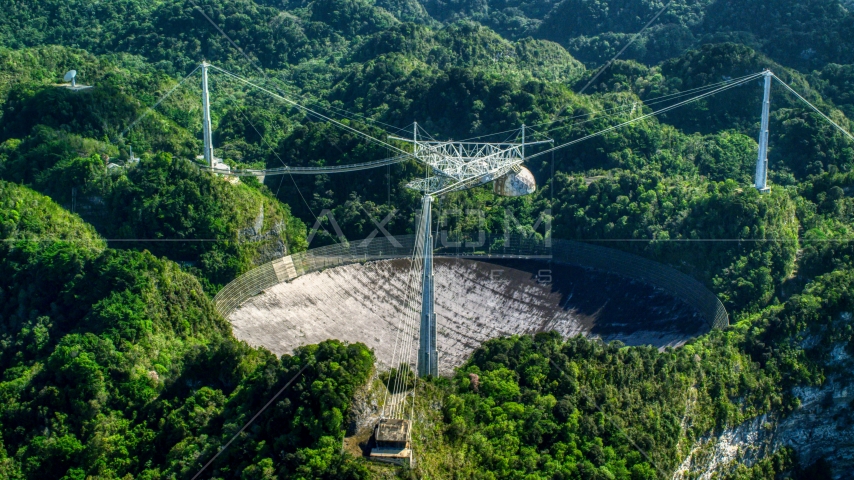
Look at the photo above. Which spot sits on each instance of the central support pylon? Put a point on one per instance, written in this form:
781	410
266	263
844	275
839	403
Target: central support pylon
427	354
458	165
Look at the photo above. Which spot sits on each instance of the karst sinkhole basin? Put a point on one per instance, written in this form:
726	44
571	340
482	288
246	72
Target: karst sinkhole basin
475	300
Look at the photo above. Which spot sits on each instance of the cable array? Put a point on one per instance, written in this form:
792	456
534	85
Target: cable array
399	401
288	170
611	112
648	115
615	127
844	132
646	103
404	346
158	102
404	155
285	170
255	65
310	111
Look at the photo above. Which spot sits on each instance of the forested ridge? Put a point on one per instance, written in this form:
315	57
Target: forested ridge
116	365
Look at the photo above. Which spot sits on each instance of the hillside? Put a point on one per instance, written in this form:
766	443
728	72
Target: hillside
801	34
116	365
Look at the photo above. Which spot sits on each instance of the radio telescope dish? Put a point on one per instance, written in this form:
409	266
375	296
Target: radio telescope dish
71	77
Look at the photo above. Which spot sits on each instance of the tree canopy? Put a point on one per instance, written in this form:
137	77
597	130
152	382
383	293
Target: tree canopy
116	365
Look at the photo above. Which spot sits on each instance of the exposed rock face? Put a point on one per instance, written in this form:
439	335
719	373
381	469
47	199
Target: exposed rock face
270	244
711	455
822	427
475	301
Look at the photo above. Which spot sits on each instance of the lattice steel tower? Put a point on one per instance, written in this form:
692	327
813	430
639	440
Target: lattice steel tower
458	166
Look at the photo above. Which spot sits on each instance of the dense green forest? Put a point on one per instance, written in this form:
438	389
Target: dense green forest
116	365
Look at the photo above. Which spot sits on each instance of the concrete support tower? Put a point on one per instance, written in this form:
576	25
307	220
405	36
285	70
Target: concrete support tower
762	162
206	121
427	355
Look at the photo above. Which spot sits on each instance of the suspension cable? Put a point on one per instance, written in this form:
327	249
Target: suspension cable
402	353
408	331
306	109
288	170
224	447
845	132
273	151
610	129
264	74
645	116
645	102
156	104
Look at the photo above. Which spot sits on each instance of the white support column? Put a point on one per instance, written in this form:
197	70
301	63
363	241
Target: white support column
761	181
427	353
206	120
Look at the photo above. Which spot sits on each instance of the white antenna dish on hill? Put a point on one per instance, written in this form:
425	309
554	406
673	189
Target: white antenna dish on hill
71	76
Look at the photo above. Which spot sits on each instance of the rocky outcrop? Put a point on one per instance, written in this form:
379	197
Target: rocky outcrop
822	427
713	454
269	244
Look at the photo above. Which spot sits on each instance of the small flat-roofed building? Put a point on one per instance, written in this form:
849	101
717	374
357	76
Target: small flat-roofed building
392	441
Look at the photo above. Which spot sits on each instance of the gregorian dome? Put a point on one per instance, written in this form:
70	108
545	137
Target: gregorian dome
516	184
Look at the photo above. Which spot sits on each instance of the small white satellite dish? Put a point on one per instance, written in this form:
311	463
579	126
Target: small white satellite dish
71	76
